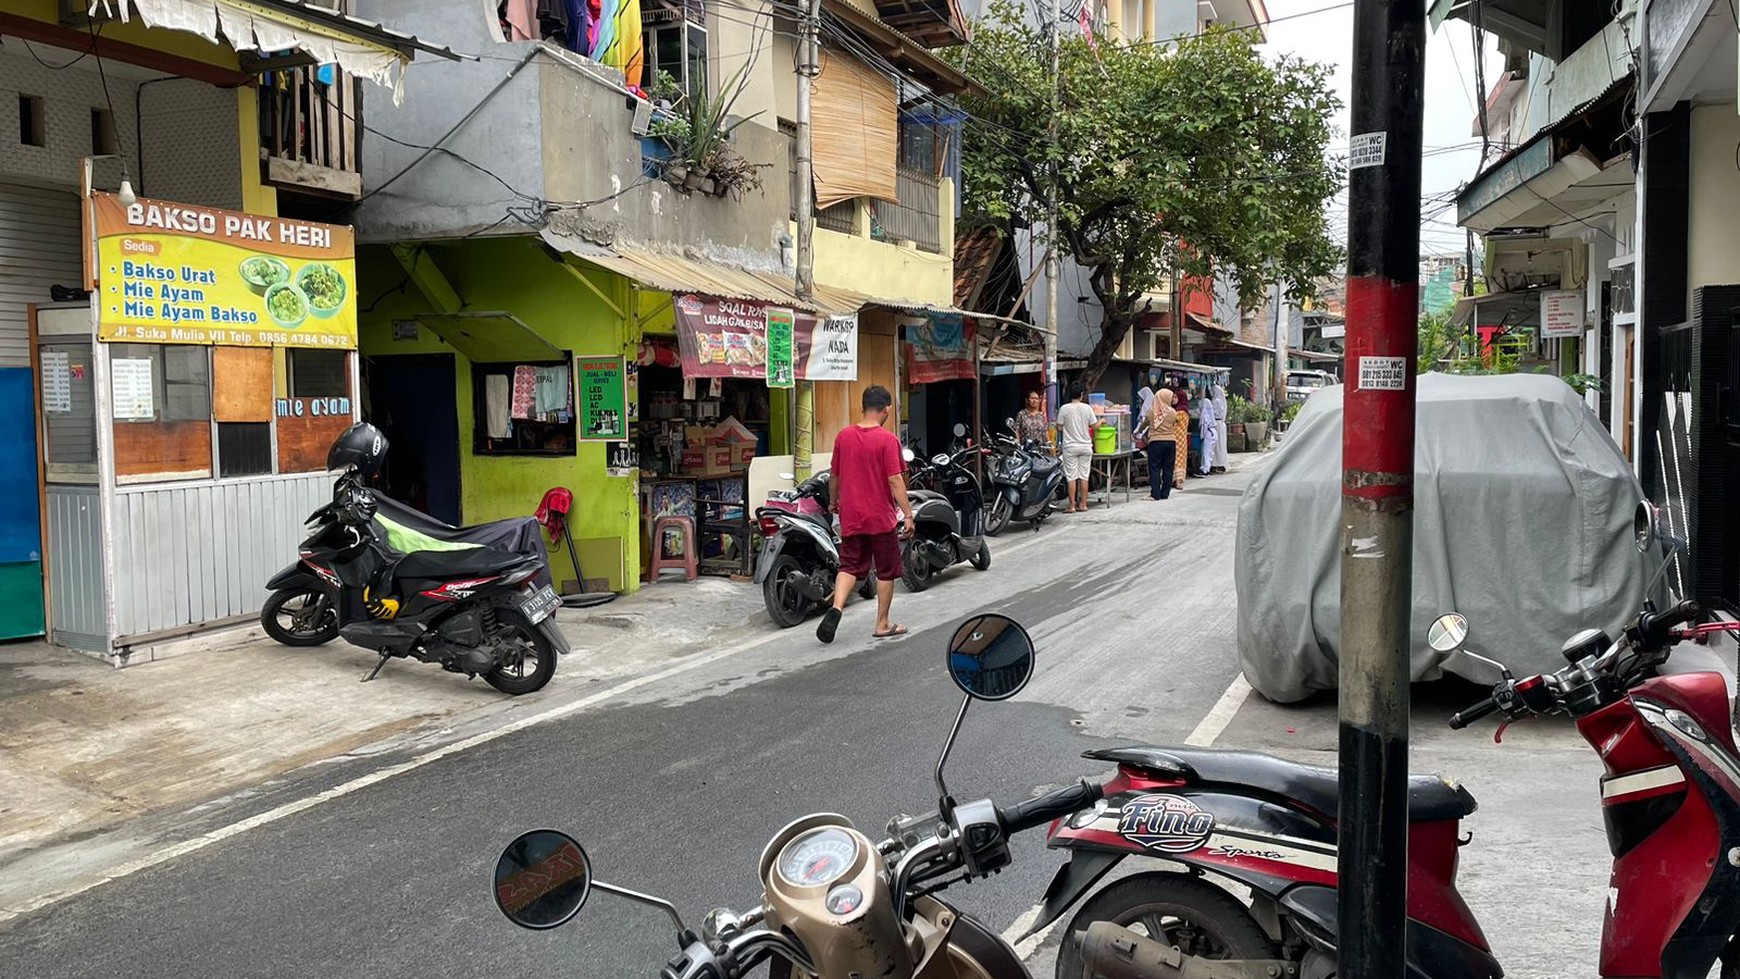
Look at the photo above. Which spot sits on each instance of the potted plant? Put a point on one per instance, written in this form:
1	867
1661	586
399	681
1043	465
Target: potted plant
697	130
1287	415
1257	424
1235	423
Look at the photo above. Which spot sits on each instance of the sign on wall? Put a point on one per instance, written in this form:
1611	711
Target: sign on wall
603	399
731	338
1562	313
828	350
938	348
177	273
779	349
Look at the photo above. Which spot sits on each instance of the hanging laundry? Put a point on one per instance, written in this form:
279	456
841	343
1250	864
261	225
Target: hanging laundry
525	392
619	39
581	25
497	392
522	19
552	392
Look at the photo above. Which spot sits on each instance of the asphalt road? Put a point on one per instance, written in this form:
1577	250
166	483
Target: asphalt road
675	786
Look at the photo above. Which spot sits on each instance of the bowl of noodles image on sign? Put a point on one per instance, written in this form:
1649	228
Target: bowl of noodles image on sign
1167	823
324	287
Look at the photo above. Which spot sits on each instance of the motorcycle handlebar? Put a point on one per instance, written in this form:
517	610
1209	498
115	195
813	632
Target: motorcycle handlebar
1053	805
1467	716
1654	629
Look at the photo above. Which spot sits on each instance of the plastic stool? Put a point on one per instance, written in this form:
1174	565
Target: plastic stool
687	560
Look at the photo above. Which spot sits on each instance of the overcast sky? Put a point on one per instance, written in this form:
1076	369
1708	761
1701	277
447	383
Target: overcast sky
1450	99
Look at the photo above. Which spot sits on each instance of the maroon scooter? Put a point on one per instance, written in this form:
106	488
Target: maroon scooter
1670	798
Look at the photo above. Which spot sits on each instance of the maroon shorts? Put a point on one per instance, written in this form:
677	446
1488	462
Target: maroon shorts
859	551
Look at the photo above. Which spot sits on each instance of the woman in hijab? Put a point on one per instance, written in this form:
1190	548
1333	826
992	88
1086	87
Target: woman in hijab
1181	434
1162	421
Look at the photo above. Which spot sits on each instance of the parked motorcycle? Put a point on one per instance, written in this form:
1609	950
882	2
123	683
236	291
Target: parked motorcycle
835	905
1025	482
949	520
474	609
800	552
1670	798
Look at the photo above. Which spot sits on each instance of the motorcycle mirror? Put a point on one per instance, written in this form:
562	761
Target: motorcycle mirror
960	430
1644	523
991	657
1010	422
940	459
906	453
788	477
1448	633
542	879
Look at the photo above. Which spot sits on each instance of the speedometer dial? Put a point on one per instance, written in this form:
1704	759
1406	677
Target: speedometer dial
818	857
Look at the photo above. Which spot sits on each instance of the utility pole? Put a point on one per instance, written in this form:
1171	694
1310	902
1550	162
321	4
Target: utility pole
1051	324
1283	323
809	66
1468	262
1377	483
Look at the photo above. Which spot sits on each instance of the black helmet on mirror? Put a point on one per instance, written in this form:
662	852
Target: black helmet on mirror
362	447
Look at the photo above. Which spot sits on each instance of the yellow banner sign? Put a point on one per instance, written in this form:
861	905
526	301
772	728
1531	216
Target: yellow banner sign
176	273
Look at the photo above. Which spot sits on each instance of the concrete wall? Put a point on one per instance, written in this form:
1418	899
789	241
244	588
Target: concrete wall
193	143
68	96
1714	234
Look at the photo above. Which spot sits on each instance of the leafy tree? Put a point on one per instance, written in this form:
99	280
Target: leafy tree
1202	156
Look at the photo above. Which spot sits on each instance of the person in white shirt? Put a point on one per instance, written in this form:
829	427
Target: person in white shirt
1208	423
1218	395
1076	422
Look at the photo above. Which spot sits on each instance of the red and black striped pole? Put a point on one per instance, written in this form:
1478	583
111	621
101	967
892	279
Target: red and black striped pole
1377	483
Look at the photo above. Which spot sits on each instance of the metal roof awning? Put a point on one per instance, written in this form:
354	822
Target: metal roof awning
491	337
1205	325
1315	356
1498	309
284	33
1521	22
679	275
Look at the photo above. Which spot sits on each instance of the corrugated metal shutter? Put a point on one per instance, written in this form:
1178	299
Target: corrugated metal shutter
39	247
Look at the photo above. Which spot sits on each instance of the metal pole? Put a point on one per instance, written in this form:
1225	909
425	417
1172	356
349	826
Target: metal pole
809	66
1377	483
1278	380
1051	325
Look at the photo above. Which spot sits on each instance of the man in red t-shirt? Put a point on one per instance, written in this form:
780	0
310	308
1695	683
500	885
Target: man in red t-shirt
868	485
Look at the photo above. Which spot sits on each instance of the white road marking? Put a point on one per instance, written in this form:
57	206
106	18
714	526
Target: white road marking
165	854
1212	725
1207	732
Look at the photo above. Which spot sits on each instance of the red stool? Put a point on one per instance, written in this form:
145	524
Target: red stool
682	533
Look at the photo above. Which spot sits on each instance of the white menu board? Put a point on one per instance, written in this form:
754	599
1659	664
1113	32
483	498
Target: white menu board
56	383
131	384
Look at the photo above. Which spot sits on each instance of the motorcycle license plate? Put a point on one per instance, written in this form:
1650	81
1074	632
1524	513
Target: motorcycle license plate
540	603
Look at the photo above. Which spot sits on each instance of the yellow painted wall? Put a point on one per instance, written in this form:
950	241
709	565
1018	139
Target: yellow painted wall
178	43
890	272
515	275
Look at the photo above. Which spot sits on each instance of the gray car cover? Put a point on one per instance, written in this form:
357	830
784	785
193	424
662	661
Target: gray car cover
1522	522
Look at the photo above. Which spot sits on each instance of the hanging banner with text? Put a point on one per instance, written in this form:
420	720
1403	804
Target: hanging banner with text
1562	313
729	338
176	273
938	348
603	398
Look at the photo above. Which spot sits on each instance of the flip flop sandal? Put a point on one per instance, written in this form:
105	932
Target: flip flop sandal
893	633
830	624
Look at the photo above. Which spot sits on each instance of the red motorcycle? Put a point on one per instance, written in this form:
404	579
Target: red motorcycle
1670	798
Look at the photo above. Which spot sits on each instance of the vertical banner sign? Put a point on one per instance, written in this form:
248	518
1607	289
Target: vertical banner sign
827	349
603	399
780	325
177	273
1562	313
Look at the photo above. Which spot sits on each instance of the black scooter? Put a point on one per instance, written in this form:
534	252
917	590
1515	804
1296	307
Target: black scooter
474	609
949	520
1025	481
800	552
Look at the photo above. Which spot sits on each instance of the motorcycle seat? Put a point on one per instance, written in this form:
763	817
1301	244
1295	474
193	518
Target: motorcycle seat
456	564
1430	797
919	495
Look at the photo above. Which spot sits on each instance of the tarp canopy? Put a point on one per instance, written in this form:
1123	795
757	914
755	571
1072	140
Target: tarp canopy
1522	522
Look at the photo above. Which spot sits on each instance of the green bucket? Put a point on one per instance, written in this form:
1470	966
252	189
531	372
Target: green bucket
1106	440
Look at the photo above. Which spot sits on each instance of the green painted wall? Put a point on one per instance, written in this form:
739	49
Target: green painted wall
517	275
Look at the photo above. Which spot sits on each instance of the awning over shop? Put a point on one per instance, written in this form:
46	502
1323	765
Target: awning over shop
491	338
1205	325
269	29
1498	309
1564	169
1523	23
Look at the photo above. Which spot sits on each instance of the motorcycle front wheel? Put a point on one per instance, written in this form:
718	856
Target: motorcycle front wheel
999	517
531	665
981	558
915	571
300	617
1187	913
786	606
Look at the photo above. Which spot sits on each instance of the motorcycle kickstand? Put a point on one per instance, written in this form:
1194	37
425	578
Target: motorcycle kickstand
377	670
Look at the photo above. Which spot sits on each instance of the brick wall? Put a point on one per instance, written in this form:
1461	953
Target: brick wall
192	144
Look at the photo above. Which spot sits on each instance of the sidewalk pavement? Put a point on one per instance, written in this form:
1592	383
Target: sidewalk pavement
85	747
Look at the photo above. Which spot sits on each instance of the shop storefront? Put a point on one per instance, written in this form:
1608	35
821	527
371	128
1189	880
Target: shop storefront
715	395
186	411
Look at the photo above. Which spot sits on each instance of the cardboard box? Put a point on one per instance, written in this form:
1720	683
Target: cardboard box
743	455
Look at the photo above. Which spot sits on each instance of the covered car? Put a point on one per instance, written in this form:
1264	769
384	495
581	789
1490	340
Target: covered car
1523	512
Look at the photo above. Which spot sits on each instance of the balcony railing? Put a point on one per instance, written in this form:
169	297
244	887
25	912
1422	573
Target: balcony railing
842	217
308	131
915	218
